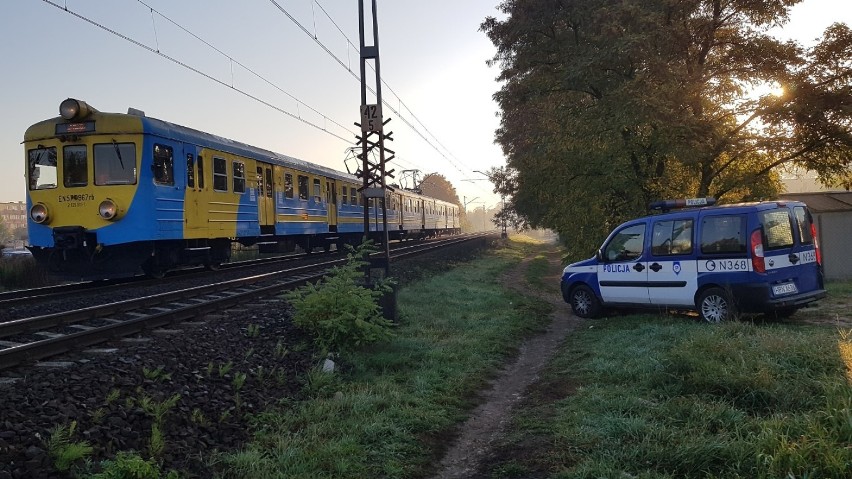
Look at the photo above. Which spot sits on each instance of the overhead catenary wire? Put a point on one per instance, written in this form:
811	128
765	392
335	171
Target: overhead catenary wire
453	163
206	75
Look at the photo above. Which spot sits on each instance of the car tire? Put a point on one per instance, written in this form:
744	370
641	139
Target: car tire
716	305
583	302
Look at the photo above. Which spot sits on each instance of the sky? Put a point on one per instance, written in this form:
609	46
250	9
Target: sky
432	57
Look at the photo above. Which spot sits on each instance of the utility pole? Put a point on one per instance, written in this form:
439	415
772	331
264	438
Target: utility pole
374	187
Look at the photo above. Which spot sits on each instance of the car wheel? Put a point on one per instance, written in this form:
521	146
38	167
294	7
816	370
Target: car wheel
584	303
715	305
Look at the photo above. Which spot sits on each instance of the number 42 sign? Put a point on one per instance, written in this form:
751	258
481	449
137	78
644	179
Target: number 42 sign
371	118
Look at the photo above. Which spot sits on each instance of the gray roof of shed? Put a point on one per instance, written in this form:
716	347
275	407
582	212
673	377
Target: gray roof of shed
823	202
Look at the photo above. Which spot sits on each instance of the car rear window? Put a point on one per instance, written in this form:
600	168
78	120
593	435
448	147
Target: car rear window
777	229
723	234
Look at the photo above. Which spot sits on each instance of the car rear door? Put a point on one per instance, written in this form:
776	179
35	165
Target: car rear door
784	256
672	268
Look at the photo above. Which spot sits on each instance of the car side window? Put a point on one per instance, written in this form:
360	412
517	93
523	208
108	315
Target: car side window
626	245
723	234
804	221
672	237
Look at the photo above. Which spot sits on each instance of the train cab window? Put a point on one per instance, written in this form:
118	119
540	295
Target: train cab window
288	185
220	174
75	166
239	177
164	165
115	163
42	168
303	187
317	190
200	172
190	171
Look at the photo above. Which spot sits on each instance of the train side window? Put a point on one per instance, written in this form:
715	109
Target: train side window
220	174
239	177
75	166
115	163
200	172
269	182
42	168
288	185
164	165
343	200
353	196
317	190
190	171
303	187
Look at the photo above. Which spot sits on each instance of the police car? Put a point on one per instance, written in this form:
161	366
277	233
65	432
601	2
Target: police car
718	260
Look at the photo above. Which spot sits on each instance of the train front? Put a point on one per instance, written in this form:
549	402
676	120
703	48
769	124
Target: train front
82	172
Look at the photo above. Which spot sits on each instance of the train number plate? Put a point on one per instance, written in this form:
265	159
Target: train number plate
786	288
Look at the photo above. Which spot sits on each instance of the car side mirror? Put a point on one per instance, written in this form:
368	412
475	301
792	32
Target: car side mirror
599	255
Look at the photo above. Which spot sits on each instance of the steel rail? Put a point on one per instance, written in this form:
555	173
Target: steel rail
36	350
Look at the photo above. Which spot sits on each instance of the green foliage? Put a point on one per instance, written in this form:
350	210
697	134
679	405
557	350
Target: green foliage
338	311
643	396
63	450
252	330
238	381
112	396
158	374
398	401
224	368
129	465
22	273
608	105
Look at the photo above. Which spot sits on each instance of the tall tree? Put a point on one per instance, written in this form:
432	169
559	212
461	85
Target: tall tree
610	104
436	185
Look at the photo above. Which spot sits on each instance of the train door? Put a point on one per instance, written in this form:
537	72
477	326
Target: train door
265	196
195	224
331	200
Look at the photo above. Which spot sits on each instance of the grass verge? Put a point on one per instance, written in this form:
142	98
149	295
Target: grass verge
392	411
661	397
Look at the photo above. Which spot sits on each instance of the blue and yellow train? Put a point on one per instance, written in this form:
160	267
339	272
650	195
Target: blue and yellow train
113	194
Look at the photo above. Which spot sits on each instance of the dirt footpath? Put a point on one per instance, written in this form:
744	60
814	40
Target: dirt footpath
488	421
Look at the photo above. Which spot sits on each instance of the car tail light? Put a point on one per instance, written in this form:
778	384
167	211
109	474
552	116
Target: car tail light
757	262
816	244
39	213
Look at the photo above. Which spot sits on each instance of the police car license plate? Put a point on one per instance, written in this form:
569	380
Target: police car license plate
785	288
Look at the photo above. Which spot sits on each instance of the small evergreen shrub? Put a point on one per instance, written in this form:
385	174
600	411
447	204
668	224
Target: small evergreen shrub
338	311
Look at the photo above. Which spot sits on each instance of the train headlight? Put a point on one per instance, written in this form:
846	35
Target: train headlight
71	109
39	213
108	209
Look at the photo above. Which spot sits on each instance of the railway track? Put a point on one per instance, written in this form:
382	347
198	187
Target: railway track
29	339
48	293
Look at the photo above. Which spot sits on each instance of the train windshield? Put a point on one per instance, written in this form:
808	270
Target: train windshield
42	168
115	164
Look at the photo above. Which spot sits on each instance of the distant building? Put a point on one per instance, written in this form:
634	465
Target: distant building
832	211
15	219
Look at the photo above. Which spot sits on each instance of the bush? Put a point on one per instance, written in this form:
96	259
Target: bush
129	465
339	311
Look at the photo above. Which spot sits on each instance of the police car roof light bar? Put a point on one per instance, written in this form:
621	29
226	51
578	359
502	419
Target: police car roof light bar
667	205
